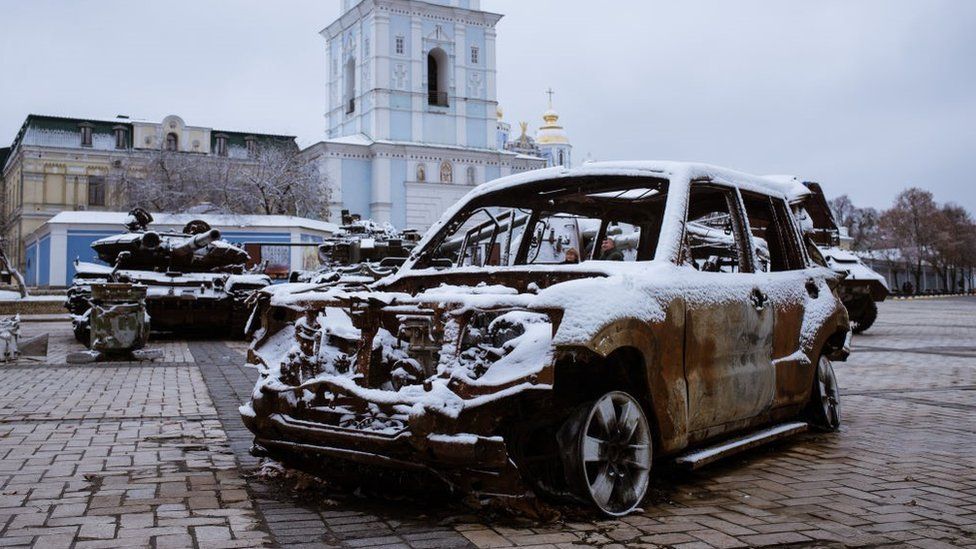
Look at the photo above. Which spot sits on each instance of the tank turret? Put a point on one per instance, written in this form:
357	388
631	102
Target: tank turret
197	249
194	280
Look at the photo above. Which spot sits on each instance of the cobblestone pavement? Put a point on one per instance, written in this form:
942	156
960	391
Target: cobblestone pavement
116	455
130	455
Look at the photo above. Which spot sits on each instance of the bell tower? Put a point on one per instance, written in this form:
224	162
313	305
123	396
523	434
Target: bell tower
413	71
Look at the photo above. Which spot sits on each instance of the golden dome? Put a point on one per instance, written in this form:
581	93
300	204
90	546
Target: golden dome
551	133
499	112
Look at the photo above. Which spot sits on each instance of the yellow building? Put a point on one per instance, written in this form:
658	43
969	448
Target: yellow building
58	164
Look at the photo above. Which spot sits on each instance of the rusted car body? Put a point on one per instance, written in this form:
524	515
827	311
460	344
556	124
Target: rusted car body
496	371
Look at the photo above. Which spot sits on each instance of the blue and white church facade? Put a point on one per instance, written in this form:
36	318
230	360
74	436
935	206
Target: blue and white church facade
412	112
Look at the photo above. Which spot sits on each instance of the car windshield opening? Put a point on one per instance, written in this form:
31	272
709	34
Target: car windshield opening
564	221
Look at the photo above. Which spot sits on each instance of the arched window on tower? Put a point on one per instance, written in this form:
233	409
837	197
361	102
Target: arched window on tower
562	161
172	142
437	78
350	79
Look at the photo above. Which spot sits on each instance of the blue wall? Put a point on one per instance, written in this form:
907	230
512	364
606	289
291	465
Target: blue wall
357	186
44	261
401	117
79	247
245	237
477	125
492	173
398	192
440	129
31	272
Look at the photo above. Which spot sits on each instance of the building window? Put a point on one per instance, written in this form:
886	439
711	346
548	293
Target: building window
447	172
561	161
120	137
437	78
221	144
86	134
96	190
350	81
471	175
474	55
252	146
400	45
172	142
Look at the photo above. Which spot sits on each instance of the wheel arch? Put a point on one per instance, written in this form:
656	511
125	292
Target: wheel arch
642	359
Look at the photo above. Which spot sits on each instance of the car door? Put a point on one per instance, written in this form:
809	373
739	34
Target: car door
783	264
729	327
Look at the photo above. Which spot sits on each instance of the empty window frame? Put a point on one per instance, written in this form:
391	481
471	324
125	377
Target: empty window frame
714	235
774	237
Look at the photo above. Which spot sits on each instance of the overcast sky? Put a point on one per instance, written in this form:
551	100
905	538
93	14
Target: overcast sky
868	97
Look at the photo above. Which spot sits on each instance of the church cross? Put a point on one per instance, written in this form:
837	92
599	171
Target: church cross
549	92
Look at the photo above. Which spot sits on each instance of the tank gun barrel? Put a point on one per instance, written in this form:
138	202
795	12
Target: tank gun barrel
197	242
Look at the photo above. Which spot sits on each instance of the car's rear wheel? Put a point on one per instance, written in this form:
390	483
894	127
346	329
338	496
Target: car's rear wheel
825	398
607	451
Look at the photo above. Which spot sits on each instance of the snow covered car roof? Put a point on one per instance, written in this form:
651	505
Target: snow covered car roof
771	185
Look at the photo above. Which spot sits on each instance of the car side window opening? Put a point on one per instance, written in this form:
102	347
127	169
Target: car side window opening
773	234
565	225
714	239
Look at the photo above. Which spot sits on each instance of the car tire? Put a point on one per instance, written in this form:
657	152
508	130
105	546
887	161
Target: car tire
869	313
824	411
607	452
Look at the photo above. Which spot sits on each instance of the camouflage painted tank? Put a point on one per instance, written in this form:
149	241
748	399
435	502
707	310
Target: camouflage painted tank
195	282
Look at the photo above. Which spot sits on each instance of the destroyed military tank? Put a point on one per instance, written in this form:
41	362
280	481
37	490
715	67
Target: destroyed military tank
862	288
196	282
362	250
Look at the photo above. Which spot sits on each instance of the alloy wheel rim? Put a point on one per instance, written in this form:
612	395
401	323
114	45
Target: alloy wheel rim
829	392
616	453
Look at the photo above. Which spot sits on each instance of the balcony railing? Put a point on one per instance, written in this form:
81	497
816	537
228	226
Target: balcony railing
437	98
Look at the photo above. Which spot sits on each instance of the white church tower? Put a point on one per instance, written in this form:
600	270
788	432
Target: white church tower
411	119
413	71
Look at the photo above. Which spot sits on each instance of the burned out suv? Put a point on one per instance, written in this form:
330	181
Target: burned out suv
495	363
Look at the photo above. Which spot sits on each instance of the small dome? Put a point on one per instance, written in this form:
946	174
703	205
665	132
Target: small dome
499	112
551	133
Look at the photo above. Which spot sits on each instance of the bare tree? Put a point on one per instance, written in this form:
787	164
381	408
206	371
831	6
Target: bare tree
954	246
861	223
911	226
280	181
274	180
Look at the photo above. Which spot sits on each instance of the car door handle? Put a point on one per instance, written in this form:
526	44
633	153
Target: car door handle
758	299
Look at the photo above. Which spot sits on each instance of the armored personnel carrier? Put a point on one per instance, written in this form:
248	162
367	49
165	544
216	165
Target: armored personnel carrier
361	250
196	282
862	288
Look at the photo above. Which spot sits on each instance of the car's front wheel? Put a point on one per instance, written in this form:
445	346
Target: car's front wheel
825	398
607	450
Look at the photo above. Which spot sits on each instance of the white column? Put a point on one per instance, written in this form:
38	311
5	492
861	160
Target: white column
381	205
491	91
381	75
417	62
461	57
58	267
